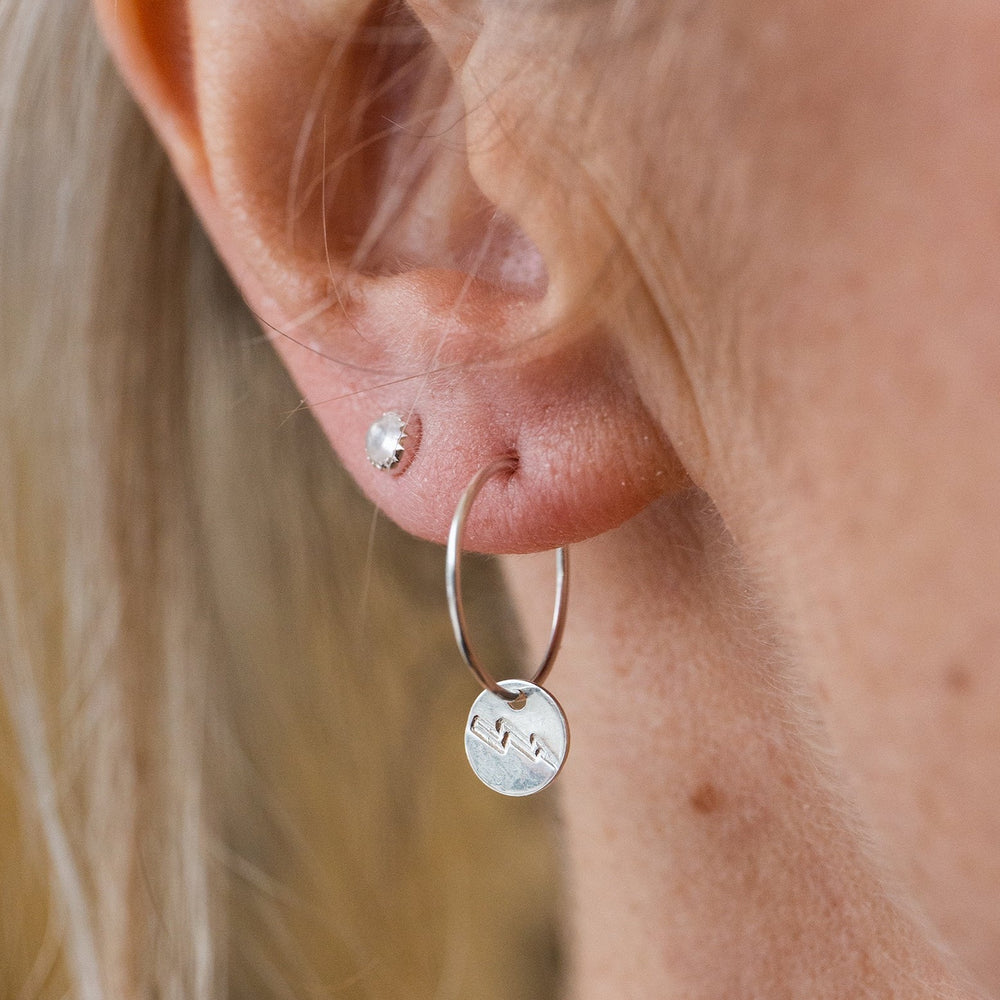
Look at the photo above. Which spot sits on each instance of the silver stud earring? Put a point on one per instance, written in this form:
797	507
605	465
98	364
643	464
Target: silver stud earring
516	736
384	440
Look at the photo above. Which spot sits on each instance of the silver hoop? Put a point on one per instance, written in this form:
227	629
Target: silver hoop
453	585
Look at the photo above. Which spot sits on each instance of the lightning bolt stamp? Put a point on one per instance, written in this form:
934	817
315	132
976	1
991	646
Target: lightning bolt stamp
503	737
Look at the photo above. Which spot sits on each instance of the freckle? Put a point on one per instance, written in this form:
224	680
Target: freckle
706	798
957	679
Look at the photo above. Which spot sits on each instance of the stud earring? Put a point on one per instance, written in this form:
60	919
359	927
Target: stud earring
384	441
516	736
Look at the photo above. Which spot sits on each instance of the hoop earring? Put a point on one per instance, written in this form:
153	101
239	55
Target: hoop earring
516	736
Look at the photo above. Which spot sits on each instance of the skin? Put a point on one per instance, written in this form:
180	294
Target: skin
770	430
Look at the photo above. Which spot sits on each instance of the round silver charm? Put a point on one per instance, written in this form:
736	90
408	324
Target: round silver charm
516	747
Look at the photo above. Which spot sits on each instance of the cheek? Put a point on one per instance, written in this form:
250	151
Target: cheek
811	197
869	216
867	139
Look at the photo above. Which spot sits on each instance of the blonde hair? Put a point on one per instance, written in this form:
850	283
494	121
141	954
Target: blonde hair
230	759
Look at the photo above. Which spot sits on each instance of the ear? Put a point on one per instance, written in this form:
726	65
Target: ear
338	153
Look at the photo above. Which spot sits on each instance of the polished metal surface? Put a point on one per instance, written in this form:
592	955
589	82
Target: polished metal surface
384	441
518	743
453	586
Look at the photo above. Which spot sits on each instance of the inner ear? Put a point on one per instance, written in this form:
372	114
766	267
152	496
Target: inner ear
344	152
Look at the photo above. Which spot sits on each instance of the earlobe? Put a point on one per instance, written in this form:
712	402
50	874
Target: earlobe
327	156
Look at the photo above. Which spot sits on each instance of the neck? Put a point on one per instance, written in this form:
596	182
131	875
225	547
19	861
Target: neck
710	852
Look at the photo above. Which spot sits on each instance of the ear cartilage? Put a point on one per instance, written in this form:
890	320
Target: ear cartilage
384	441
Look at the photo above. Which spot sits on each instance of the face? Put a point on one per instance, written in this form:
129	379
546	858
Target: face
753	245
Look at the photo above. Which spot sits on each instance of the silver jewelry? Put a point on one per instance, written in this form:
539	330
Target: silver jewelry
516	736
384	440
